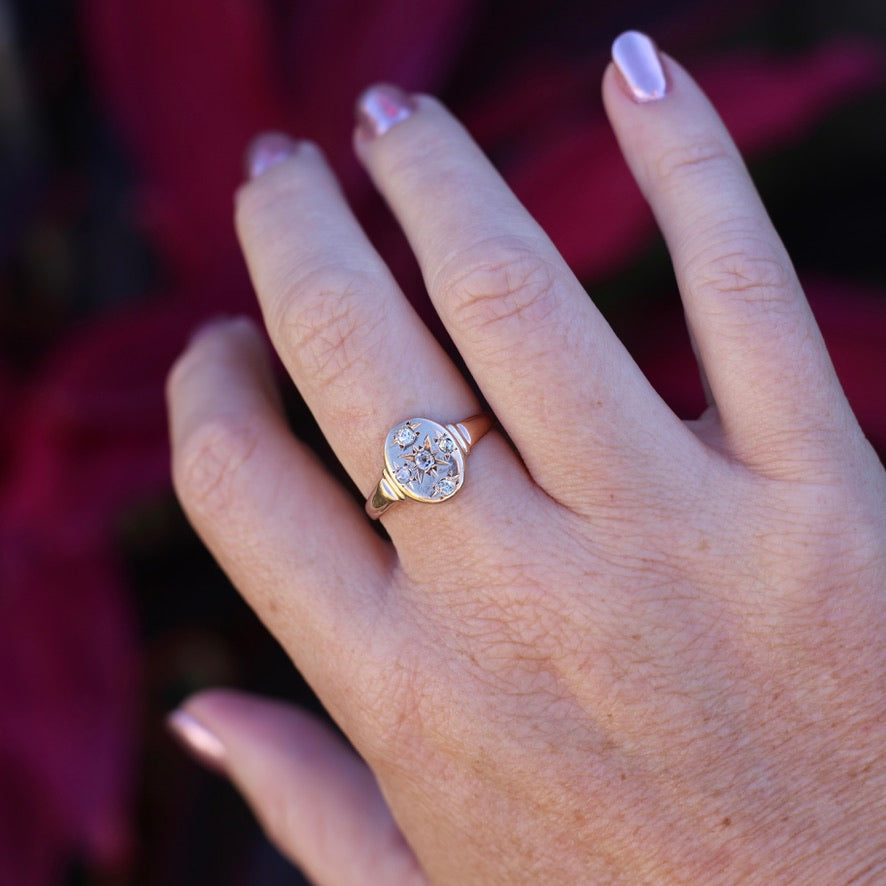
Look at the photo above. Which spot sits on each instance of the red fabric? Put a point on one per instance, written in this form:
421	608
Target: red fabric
852	319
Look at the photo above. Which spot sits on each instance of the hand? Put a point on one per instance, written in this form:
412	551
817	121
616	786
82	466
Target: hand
631	649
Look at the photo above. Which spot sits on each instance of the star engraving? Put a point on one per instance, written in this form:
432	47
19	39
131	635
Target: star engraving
426	461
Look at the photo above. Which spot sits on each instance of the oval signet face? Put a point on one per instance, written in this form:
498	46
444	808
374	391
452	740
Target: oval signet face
424	460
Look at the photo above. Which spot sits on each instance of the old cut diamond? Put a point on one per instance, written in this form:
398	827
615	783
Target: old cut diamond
424	461
403	475
445	486
446	444
405	436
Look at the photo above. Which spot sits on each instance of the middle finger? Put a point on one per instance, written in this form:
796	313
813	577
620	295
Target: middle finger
549	364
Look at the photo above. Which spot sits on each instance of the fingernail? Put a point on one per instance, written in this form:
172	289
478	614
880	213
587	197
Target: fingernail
200	741
637	59
381	107
267	150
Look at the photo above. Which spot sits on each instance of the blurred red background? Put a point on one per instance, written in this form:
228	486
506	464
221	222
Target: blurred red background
122	127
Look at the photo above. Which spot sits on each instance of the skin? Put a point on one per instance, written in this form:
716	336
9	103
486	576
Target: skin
632	649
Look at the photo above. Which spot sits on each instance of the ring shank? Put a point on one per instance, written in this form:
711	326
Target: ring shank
473	428
378	503
382	498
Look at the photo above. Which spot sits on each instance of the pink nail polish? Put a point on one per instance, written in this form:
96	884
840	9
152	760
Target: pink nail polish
382	107
638	62
202	743
267	150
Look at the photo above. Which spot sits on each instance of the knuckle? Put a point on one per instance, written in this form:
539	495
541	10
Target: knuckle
691	158
499	284
748	270
323	322
208	463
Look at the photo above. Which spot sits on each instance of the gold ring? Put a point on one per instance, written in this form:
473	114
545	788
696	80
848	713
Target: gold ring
425	461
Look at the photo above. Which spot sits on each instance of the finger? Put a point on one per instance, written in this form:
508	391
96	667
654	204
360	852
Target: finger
316	800
267	511
703	378
764	358
359	354
544	357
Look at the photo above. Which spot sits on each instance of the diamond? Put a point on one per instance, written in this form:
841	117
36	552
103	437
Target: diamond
404	475
446	444
405	436
424	461
446	486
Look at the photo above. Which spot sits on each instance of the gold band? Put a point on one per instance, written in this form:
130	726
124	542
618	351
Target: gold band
425	461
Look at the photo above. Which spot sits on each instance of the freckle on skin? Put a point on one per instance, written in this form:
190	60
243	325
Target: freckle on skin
704	544
726	822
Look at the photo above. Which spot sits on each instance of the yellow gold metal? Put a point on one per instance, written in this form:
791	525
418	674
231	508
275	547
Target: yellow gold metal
386	493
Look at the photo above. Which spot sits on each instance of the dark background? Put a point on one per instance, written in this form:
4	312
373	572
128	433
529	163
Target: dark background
122	127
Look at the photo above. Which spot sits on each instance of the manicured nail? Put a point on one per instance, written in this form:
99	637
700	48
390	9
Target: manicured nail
267	150
638	61
204	744
381	107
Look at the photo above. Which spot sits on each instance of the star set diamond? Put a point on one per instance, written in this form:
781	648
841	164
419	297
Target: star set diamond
424	460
